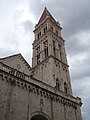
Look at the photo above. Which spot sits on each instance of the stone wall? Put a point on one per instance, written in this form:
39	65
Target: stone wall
20	100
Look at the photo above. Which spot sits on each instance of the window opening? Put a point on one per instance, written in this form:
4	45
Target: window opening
52	29
60	52
57	84
38	55
45	29
54	48
38	35
46	48
65	87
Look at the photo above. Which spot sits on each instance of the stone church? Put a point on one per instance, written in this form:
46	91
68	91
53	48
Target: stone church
43	91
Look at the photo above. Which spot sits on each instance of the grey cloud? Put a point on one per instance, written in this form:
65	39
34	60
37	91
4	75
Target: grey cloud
80	67
80	75
28	26
6	52
17	15
75	46
86	109
81	88
36	7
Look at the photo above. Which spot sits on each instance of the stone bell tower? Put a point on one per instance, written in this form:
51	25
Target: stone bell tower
49	63
43	91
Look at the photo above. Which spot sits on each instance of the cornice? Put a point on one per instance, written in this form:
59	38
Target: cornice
40	89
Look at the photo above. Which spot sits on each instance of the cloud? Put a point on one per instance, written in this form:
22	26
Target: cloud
28	26
78	48
6	51
81	88
36	7
17	20
16	24
78	44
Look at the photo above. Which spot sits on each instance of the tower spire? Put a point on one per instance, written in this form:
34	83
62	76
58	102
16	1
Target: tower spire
44	15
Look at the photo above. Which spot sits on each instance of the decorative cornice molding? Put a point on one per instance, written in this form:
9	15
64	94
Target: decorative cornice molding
30	87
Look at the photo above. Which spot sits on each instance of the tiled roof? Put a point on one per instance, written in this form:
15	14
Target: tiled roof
44	15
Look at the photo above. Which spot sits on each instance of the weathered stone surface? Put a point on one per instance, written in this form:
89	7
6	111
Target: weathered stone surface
44	91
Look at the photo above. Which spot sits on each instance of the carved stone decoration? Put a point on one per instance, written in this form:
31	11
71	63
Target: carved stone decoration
18	66
41	104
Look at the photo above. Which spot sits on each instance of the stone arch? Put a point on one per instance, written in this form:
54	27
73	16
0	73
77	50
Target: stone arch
39	116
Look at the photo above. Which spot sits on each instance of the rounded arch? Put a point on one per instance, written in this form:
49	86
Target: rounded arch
39	116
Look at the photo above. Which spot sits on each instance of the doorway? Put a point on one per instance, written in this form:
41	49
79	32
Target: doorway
38	117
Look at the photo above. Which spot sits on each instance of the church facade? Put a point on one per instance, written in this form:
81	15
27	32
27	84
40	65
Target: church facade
43	91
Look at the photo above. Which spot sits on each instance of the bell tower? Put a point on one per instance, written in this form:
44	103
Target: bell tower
43	90
49	62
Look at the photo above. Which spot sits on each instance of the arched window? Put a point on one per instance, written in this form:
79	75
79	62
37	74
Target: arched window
46	48
45	29
54	48
60	51
38	54
65	87
57	84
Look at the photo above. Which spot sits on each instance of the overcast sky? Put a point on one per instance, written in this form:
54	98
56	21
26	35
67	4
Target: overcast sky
17	21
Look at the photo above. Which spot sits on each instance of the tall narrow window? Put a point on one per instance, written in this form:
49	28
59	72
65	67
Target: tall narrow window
38	55
38	58
45	29
52	29
46	48
38	35
60	52
57	84
46	52
65	87
54	48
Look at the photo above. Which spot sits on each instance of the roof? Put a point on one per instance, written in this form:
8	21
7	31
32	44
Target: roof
44	15
10	56
15	55
16	60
